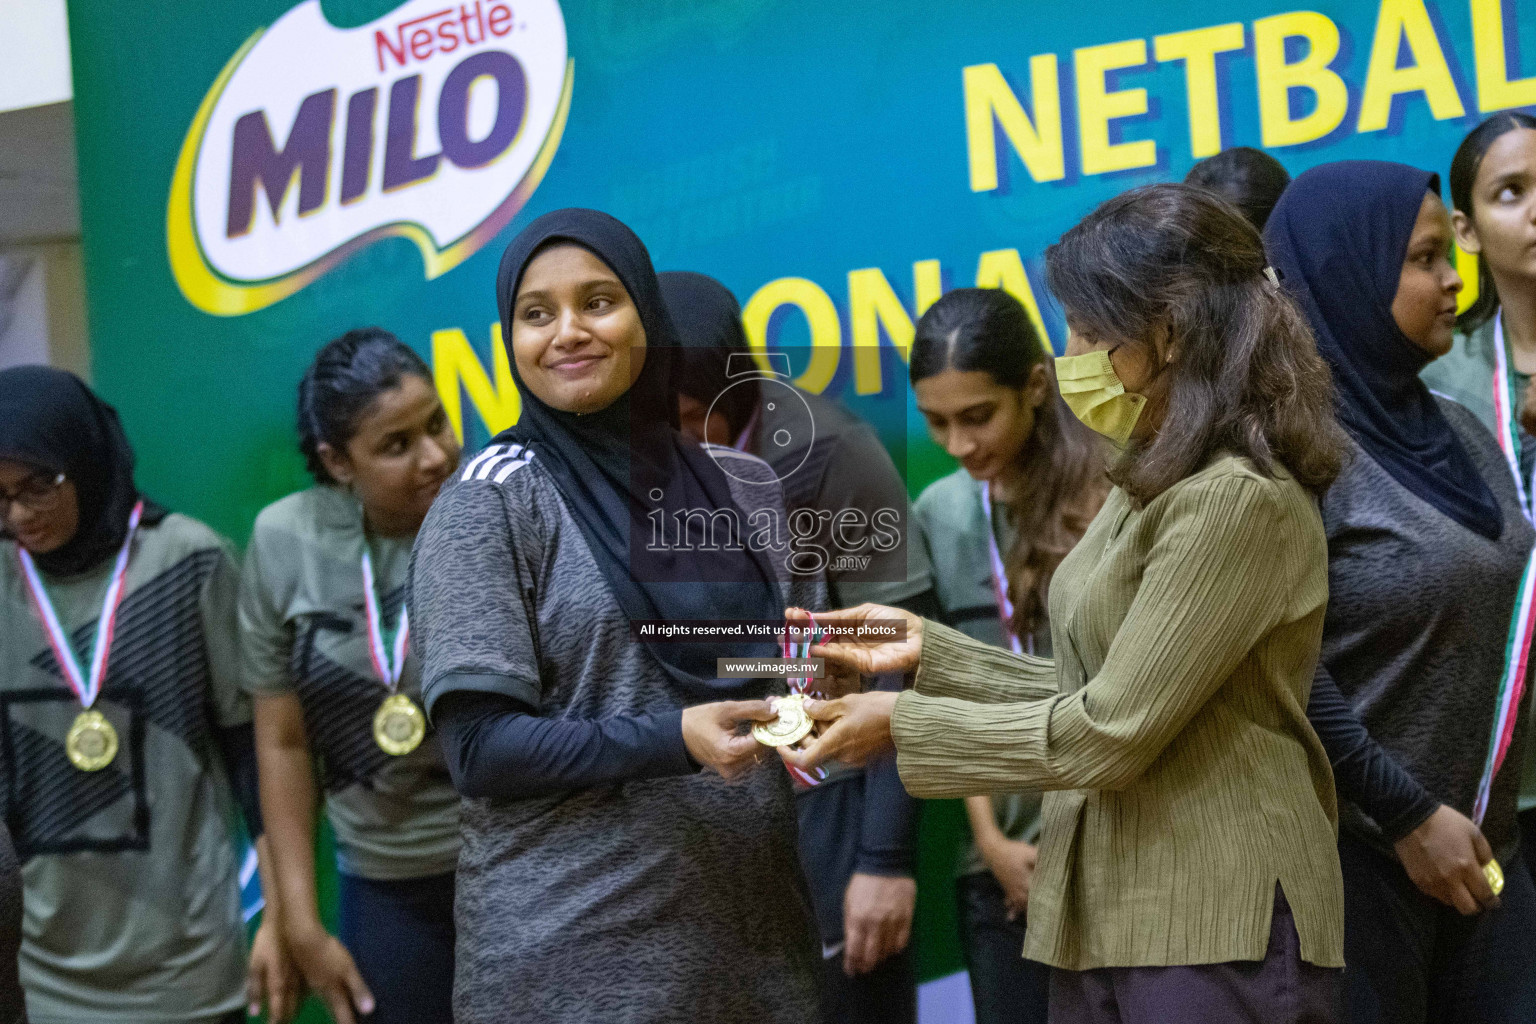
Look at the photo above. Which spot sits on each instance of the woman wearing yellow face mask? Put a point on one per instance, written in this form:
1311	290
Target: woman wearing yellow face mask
1189	818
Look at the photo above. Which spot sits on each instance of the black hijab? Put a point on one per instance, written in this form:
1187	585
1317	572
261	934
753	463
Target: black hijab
50	419
1339	236
608	464
708	318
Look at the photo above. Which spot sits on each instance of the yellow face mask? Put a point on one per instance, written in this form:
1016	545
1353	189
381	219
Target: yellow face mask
1094	393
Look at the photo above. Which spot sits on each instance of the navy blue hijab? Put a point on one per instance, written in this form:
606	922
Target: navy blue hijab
609	464
1339	236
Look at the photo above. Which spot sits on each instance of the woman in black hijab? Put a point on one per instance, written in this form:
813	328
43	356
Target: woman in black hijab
1424	655
119	698
708	318
603	876
51	423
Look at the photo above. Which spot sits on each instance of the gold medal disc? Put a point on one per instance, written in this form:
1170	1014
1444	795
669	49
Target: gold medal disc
92	742
1495	876
792	725
398	725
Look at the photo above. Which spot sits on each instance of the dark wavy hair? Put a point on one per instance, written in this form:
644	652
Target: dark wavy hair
1248	379
1464	167
1251	178
347	376
1061	464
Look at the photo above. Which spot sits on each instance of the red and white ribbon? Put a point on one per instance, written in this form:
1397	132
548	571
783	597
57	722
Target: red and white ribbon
1522	626
1000	579
388	659
800	685
86	685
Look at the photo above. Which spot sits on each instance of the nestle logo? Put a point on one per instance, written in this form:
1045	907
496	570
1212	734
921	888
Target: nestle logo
444	31
301	154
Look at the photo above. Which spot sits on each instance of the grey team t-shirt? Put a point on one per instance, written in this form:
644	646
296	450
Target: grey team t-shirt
304	630
132	907
670	899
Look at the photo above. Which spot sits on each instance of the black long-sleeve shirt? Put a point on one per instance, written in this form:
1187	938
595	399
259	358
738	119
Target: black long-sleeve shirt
1363	772
496	748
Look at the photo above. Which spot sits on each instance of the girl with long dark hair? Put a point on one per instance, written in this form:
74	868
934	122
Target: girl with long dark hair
1031	478
604	876
1188	867
324	638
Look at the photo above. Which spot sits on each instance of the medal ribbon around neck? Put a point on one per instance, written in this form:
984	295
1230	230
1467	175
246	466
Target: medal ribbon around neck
999	574
1522	626
85	685
800	685
388	659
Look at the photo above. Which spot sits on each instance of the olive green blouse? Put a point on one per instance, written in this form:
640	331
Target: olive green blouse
1171	730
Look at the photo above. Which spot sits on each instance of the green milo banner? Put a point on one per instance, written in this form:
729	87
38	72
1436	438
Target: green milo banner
258	176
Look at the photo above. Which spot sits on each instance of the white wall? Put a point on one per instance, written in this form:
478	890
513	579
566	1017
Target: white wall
34	36
42	307
23	309
42	299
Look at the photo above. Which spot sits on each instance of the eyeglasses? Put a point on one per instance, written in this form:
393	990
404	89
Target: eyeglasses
38	496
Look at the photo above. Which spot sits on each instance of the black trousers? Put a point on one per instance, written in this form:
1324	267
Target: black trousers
401	936
1413	960
886	995
829	817
1528	838
1005	987
1280	989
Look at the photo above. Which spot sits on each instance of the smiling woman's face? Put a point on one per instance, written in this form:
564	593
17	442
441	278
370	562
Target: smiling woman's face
1425	304
576	334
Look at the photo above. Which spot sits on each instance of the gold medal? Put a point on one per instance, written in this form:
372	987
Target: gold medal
398	725
91	742
1495	876
792	725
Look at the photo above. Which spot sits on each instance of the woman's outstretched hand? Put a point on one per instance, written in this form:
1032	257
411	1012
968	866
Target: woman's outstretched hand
849	656
852	730
714	737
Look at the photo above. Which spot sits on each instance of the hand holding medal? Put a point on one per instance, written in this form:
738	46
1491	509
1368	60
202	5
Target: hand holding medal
793	724
857	726
869	640
91	742
399	725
